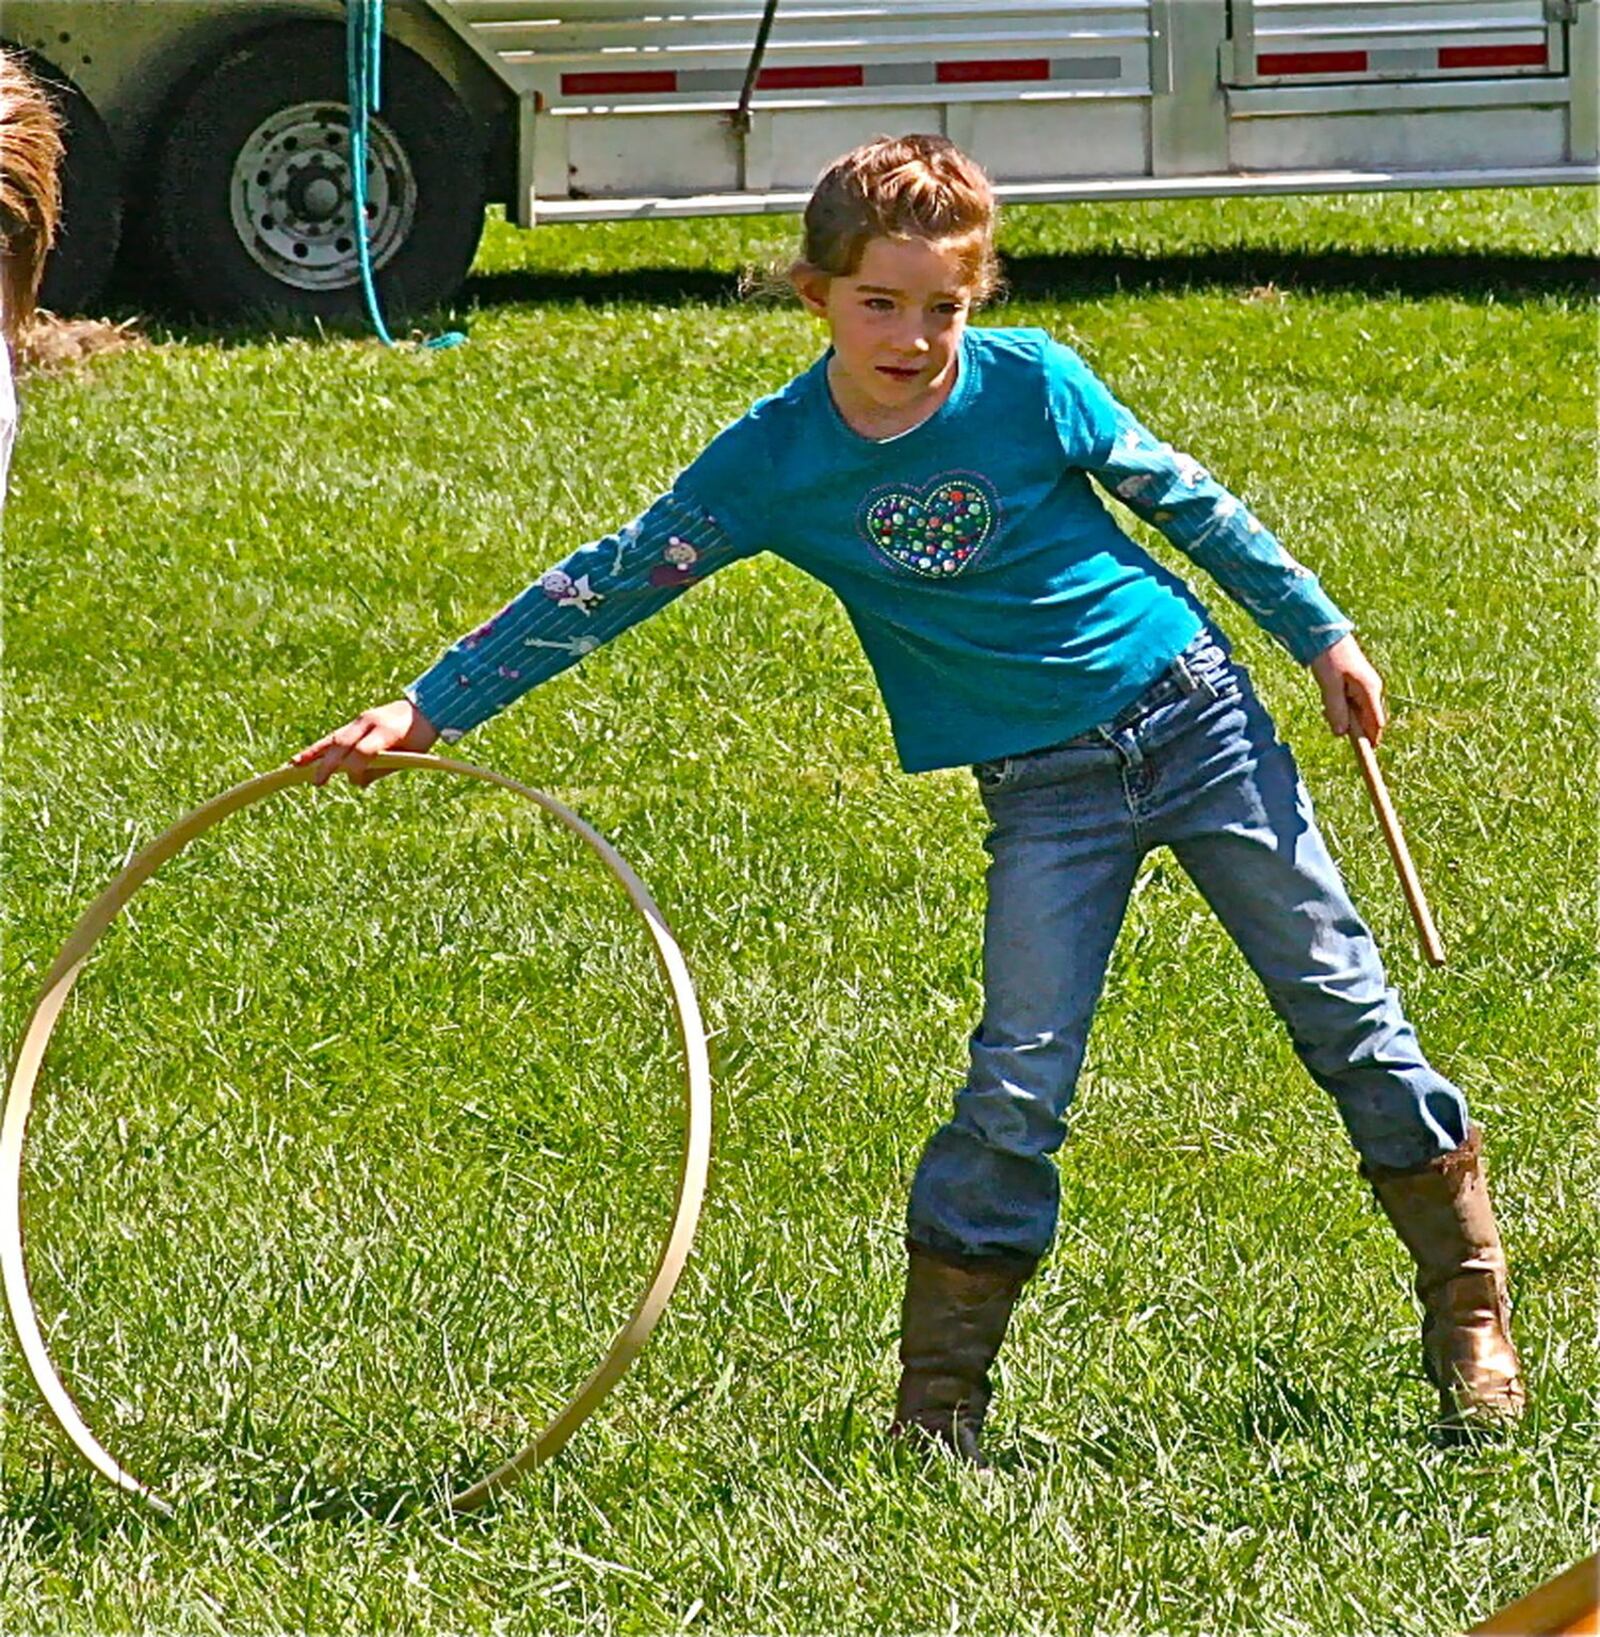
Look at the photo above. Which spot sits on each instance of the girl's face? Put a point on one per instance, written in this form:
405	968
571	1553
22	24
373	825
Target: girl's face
896	326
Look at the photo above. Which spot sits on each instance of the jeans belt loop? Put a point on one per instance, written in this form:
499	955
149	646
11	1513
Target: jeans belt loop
1192	684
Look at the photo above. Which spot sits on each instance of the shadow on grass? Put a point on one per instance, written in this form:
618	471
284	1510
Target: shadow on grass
364	1497
53	1506
1473	275
362	1500
66	1506
1470	275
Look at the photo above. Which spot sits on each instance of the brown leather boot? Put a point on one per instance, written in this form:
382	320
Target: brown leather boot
951	1325
1442	1214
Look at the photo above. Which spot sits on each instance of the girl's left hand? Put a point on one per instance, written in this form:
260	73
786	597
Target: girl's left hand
1352	691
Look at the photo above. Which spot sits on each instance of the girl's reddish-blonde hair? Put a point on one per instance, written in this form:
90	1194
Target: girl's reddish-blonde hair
902	187
30	187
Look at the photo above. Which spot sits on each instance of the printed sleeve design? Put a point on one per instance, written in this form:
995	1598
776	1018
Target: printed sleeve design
1174	492
570	610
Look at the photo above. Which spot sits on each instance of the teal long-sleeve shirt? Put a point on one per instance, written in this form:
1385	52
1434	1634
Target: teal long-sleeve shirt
999	603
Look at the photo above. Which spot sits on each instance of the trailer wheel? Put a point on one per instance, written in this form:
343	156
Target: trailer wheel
76	270
253	202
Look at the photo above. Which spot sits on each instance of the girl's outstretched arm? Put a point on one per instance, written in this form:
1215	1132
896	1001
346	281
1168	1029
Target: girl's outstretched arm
568	612
1176	494
1172	491
1203	520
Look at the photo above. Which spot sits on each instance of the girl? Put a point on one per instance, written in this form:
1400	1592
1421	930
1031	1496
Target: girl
30	206
937	478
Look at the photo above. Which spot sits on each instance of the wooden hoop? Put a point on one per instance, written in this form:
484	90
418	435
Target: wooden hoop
628	1341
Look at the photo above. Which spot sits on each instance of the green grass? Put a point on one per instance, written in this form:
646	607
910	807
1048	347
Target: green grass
352	1146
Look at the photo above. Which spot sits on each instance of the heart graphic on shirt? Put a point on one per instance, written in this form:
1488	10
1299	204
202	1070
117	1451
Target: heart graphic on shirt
936	531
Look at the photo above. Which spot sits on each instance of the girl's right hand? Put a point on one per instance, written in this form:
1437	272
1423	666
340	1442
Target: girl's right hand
1352	691
350	749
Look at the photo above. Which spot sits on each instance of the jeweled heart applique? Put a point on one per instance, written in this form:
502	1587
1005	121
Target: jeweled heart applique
935	532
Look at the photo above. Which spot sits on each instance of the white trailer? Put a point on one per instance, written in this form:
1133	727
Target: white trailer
216	129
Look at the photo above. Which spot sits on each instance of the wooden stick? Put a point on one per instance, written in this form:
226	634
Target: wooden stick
1568	1606
1389	820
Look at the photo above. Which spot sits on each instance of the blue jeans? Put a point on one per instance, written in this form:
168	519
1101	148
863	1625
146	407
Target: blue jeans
1193	764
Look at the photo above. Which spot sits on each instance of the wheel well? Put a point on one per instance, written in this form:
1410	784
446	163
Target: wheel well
280	231
146	65
490	103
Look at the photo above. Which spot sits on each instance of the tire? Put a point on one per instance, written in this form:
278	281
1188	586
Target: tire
252	208
78	265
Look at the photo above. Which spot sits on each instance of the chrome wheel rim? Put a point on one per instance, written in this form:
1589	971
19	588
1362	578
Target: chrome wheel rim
293	202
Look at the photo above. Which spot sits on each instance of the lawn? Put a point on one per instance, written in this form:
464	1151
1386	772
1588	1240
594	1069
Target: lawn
356	1140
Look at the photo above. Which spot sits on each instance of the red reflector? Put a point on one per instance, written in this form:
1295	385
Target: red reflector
589	85
1312	62
973	73
1492	56
807	79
